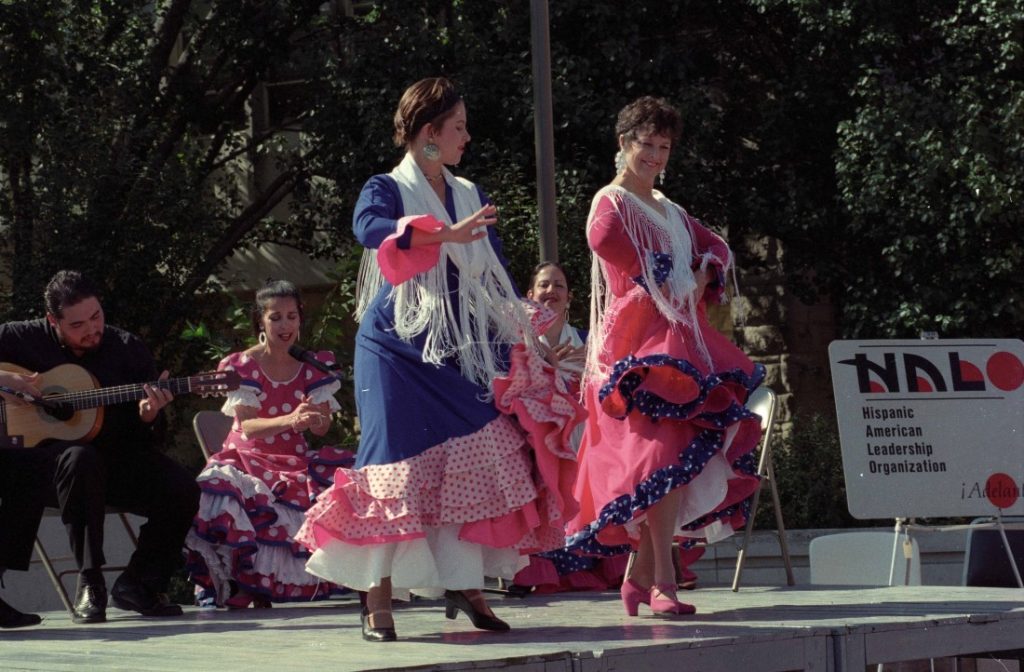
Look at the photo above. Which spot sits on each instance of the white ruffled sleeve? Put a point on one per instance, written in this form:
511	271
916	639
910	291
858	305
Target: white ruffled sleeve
245	395
325	393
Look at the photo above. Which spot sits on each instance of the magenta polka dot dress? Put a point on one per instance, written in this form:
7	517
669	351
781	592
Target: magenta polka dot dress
254	493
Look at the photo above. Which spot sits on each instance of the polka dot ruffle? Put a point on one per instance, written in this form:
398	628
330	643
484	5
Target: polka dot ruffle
506	483
668	389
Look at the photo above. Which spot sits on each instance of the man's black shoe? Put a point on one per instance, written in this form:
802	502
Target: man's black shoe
12	618
90	603
131	594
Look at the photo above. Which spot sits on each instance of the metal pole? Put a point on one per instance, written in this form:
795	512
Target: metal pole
543	127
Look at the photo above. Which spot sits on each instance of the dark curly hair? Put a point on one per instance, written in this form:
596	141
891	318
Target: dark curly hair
67	288
651	114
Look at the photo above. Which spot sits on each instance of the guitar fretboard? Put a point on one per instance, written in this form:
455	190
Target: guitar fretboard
119	394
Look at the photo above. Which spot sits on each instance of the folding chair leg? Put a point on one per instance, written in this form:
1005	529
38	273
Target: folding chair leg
741	555
779	525
129	529
766	471
54	577
57	578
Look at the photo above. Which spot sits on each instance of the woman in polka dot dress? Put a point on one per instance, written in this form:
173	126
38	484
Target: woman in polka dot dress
241	546
464	464
667	449
561	570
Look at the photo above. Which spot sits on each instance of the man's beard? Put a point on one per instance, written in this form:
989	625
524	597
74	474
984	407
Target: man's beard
92	346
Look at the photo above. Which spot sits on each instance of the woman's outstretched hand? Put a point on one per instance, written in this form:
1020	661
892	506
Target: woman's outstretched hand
473	227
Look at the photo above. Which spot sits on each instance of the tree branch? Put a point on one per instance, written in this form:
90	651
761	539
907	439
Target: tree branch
243	224
167	31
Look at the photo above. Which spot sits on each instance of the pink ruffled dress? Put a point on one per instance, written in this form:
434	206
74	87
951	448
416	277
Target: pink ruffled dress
668	410
254	493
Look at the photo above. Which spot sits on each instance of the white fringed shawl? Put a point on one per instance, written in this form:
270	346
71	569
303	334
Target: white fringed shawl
489	313
674	298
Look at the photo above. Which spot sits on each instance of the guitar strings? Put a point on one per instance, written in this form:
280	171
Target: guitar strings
130	392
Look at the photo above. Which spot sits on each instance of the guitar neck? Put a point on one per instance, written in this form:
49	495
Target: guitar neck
120	394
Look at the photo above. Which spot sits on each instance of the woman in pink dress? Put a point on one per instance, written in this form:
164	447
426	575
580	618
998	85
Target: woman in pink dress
241	546
667	451
560	570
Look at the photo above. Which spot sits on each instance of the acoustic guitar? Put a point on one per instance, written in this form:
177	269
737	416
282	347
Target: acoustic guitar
72	402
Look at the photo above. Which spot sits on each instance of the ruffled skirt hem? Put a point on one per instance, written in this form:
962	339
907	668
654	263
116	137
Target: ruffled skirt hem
437	561
243	535
716	466
507	485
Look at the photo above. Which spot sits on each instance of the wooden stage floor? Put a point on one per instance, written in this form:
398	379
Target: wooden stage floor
757	629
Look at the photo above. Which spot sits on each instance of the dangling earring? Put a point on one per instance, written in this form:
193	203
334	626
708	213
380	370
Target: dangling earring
431	152
620	162
661	176
262	338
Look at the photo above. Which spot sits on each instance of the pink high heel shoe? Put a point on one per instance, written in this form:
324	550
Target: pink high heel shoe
663	601
633	595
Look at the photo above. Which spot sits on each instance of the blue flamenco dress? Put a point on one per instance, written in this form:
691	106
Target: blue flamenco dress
454	480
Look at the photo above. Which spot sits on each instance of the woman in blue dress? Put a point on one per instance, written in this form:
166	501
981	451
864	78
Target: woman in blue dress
464	465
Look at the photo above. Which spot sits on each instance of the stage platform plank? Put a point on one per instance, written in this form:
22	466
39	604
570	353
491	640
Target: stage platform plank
759	629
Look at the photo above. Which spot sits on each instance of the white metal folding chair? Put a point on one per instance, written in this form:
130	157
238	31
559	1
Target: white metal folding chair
763	402
864	558
57	577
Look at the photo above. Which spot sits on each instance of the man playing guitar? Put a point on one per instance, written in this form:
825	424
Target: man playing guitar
119	465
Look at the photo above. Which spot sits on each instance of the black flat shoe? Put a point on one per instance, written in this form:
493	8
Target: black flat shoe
455	601
376	634
90	604
130	594
12	618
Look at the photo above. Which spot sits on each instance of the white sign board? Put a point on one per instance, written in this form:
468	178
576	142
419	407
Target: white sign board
930	428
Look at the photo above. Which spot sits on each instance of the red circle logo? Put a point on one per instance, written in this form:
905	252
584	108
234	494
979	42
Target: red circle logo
1005	371
1002	490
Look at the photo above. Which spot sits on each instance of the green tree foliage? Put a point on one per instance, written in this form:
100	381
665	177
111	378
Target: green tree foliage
123	144
930	171
880	142
754	157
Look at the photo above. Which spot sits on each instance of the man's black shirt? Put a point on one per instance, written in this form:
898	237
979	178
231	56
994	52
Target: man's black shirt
122	358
